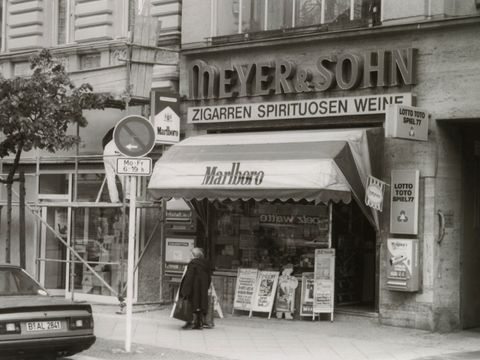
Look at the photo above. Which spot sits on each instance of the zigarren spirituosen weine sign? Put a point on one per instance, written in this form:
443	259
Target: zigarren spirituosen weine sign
344	71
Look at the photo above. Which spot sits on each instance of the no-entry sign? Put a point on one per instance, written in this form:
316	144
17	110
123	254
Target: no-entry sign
134	136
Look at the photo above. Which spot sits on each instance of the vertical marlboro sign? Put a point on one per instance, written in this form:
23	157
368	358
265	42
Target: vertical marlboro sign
375	193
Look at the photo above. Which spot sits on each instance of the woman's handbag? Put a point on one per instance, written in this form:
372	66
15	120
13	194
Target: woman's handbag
183	310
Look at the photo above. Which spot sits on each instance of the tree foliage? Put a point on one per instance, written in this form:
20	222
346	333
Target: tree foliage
35	111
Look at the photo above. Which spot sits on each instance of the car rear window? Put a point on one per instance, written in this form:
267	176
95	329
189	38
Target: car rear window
16	282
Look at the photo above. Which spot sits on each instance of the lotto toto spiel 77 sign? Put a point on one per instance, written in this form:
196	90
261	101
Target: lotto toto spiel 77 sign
404	202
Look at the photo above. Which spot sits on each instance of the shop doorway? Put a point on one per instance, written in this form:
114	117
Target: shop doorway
470	255
355	265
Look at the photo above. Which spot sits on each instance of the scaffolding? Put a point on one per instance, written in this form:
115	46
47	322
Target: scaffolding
73	256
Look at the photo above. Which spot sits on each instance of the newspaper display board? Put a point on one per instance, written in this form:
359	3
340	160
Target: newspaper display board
245	289
324	282
265	289
306	298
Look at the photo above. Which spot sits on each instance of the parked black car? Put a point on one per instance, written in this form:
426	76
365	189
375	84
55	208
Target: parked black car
34	324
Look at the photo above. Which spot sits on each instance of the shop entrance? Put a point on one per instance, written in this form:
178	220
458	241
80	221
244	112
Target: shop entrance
270	235
470	255
354	241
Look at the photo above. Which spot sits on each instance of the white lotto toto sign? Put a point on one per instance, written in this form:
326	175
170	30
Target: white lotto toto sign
407	122
404	202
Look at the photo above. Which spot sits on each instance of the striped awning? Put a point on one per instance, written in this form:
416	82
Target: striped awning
313	165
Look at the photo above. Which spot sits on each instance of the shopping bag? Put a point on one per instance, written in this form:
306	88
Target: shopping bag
183	310
208	320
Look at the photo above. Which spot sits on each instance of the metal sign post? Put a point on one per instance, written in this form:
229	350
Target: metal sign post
134	137
130	261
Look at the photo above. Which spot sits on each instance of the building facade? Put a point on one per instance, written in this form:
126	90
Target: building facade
257	76
67	191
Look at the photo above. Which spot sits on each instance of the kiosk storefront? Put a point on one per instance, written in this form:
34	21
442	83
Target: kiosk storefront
268	199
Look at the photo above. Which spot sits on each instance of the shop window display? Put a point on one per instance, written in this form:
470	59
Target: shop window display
98	239
268	235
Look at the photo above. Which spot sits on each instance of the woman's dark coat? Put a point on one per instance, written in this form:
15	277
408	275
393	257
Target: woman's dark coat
195	284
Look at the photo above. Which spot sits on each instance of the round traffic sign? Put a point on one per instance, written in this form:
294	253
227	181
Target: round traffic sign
134	136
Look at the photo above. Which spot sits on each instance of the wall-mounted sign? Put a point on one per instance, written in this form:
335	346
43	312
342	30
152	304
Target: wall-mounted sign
407	122
402	265
165	118
374	193
244	289
300	109
345	71
134	166
178	249
324	281
265	289
404	202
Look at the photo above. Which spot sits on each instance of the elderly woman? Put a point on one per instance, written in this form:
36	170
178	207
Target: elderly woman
194	287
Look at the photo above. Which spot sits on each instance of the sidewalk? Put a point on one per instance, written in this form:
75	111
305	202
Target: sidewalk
240	337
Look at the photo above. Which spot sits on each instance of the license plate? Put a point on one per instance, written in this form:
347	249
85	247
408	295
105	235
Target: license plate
43	325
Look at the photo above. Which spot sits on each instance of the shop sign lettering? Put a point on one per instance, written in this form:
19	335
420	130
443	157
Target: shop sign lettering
294	219
344	71
235	176
403	192
404	202
303	109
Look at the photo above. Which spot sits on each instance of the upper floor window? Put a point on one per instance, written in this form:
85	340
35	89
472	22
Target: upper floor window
2	25
62	18
242	16
62	31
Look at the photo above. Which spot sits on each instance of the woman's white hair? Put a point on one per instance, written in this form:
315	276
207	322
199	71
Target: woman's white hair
197	253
